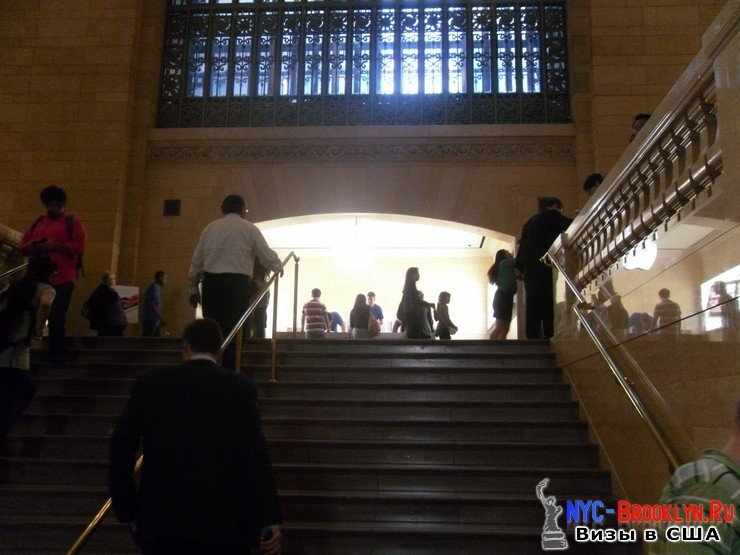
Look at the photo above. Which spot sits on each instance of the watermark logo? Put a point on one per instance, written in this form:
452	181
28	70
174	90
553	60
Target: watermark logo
595	521
553	537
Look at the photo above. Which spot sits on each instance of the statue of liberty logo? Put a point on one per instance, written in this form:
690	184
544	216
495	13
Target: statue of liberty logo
553	537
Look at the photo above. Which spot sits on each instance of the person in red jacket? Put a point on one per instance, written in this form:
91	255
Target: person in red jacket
61	237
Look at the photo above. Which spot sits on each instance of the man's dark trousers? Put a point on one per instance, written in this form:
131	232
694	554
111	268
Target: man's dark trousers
58	318
225	298
540	301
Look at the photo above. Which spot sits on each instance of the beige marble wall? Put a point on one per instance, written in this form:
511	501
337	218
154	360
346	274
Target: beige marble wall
65	112
640	47
497	194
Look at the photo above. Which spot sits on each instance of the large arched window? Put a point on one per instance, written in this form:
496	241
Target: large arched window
363	62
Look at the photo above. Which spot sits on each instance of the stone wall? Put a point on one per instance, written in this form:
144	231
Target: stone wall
485	177
639	48
78	94
65	114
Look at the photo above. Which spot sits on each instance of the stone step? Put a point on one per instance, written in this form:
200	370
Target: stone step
328	428
484	453
314	538
474	361
373	346
448	359
338	390
344	477
58	383
316	373
454	376
414	392
302	505
364	409
289	344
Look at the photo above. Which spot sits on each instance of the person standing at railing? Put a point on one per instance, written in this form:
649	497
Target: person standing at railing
503	275
257	321
104	310
206	485
714	477
638	122
151	310
24	308
336	322
61	237
445	327
413	311
592	183
375	309
315	318
223	262
538	234
667	314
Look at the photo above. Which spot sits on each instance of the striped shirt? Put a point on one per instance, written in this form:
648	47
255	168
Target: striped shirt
713	477
667	312
315	316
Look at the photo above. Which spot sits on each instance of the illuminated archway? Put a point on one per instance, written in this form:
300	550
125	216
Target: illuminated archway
348	254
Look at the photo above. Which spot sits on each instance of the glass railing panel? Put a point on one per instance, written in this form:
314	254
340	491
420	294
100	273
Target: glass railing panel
639	467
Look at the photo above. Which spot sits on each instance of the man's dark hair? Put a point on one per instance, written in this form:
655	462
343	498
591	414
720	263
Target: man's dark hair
593	181
642	116
233	204
315	292
371	294
52	194
664	293
159	275
203	336
545	203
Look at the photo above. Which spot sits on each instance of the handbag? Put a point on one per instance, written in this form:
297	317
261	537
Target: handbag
373	327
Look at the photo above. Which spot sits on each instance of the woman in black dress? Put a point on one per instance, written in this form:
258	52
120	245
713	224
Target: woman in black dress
414	312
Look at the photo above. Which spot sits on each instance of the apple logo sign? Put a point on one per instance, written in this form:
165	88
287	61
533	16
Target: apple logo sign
643	257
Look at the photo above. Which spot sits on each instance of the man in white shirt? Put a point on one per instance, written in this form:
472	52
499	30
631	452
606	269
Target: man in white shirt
223	262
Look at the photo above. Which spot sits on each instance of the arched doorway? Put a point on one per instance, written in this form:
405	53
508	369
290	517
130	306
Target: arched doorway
351	253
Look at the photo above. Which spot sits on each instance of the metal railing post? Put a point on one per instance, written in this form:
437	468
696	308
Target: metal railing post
85	536
673	458
274	377
239	346
295	299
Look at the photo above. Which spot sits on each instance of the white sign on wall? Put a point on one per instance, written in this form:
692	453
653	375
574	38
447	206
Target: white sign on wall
129	301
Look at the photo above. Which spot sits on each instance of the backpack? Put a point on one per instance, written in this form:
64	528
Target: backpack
69	221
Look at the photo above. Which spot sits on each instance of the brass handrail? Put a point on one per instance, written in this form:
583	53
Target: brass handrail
234	333
674	460
13	271
252	307
98	518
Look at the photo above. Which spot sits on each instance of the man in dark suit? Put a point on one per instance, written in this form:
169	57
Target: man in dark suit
206	484
538	234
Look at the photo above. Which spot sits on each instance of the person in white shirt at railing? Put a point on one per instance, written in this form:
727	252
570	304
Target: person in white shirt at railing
223	262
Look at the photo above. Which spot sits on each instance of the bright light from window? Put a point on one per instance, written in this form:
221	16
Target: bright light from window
363	233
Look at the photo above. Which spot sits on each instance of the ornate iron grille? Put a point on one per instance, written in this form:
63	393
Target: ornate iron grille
245	63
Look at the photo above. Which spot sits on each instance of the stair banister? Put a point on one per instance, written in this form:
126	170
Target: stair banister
674	459
13	272
234	334
673	164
